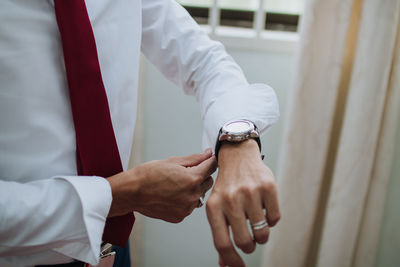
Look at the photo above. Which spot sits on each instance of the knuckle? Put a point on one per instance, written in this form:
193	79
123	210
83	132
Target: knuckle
245	243
269	186
194	178
212	204
247	191
230	198
198	177
179	215
191	181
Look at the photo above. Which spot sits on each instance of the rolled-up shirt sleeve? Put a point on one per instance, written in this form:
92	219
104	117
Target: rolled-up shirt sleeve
32	230
184	53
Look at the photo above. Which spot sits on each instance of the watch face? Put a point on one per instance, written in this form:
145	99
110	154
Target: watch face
238	127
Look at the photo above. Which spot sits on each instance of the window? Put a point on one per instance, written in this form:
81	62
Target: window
260	15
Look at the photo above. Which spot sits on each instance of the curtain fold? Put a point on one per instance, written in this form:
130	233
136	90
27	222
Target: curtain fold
359	140
368	236
335	157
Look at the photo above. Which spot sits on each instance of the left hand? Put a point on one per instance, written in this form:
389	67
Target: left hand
243	189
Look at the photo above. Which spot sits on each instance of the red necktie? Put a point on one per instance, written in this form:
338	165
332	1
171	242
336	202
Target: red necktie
97	151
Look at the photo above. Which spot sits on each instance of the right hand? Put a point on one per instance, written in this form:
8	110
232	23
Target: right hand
164	189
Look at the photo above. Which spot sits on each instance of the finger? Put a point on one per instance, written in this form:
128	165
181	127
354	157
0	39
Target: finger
256	214
206	185
241	234
271	205
194	159
221	261
201	191
222	241
206	168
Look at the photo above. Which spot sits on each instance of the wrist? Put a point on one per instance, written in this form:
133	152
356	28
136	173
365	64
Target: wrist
124	186
231	152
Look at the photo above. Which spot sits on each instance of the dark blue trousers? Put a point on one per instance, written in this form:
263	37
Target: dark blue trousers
122	258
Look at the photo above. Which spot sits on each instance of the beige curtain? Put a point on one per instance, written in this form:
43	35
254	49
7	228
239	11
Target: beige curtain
339	137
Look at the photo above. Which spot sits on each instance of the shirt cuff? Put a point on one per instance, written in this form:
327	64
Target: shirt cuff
95	197
256	102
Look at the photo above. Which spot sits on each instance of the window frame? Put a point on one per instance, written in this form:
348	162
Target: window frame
255	35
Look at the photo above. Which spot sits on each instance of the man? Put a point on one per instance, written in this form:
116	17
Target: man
49	214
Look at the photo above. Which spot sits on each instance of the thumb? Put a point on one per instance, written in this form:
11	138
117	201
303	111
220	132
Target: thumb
206	168
195	159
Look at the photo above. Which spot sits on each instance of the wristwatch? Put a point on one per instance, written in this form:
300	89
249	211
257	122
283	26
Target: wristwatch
237	131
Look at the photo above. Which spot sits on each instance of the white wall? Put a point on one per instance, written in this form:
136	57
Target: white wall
172	126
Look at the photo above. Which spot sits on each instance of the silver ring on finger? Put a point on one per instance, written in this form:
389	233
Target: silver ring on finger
259	225
201	202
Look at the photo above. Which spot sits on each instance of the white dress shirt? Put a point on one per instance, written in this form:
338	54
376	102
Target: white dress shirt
47	213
